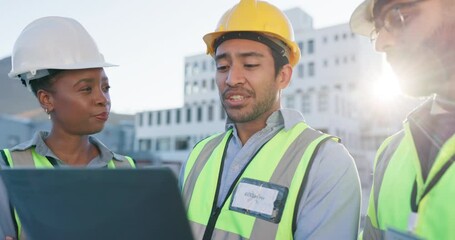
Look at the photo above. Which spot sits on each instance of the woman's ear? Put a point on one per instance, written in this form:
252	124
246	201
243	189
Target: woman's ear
45	99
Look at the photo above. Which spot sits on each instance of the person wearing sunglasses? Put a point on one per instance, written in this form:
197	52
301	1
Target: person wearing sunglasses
414	174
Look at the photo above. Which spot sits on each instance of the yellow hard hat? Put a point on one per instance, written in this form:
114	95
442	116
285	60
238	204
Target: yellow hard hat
256	16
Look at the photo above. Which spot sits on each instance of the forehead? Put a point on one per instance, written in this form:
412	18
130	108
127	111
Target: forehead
70	76
241	45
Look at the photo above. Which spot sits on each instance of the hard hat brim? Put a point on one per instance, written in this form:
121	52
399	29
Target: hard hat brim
210	38
361	21
15	74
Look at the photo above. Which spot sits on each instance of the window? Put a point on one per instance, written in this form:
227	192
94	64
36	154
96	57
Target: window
323	101
182	143
324	40
300	71
145	144
212	84
163	144
150	118
199	114
326	63
140	116
335	38
204	66
177	115
187	88
310	46
306	104
311	70
203	85
195	87
188	114
158	118
210	113
168	117
195	69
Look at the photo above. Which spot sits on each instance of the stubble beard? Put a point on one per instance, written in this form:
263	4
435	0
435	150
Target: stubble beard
426	69
244	115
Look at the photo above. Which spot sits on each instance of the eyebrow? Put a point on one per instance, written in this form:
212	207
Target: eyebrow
90	80
241	55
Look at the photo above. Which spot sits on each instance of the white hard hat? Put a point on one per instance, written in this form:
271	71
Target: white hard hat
53	43
362	21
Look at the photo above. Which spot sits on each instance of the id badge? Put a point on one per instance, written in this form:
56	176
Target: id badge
393	234
259	199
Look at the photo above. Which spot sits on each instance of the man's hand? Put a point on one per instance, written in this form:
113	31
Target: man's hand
9	238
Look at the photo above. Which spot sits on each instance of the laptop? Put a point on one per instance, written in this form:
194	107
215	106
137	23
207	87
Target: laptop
98	203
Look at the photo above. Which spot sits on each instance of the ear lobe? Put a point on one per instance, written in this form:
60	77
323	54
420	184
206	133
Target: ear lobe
45	99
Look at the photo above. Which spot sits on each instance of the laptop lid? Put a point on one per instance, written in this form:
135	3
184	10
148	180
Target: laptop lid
98	203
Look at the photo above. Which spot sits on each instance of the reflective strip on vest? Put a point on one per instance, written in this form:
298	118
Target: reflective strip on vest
30	159
201	152
287	154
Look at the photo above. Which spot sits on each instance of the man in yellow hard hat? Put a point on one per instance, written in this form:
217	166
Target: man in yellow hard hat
414	176
269	175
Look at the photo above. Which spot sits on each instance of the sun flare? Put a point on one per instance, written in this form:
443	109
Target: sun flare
386	87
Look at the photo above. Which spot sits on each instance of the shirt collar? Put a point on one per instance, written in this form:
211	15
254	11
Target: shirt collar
41	148
288	117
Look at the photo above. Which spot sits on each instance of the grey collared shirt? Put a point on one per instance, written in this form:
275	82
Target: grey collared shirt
102	160
330	205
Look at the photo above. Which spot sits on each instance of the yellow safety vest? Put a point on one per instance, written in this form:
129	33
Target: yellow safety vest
399	195
29	158
284	160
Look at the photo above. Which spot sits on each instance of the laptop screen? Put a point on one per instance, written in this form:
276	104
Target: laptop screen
98	203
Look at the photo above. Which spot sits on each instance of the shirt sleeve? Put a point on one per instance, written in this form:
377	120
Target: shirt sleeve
6	222
330	204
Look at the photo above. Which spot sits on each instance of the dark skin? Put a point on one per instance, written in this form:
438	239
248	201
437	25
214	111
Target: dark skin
78	104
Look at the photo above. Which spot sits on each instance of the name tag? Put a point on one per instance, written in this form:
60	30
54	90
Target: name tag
259	199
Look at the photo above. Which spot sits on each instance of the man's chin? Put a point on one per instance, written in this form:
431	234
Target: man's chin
417	87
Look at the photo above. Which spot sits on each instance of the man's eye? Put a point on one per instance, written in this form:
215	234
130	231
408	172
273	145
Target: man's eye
251	65
221	68
86	89
106	88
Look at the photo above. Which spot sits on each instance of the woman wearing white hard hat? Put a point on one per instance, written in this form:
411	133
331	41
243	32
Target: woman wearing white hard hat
57	59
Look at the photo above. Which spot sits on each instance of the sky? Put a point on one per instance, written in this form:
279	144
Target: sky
148	39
